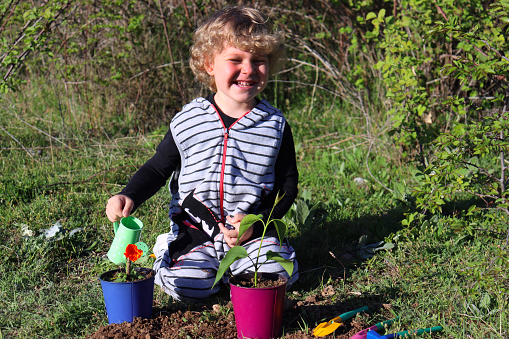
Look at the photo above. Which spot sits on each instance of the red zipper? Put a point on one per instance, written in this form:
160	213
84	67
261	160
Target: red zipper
221	181
223	164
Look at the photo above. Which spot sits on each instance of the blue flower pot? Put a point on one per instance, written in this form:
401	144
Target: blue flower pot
126	300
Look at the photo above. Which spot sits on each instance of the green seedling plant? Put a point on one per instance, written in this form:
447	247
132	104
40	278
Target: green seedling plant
134	253
238	252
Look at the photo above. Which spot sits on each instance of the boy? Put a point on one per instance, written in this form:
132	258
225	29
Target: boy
228	155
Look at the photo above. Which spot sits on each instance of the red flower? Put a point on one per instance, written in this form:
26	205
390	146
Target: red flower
132	252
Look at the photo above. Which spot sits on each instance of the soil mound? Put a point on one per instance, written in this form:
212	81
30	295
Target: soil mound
196	324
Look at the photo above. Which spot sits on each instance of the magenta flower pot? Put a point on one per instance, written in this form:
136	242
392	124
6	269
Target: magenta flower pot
258	311
126	300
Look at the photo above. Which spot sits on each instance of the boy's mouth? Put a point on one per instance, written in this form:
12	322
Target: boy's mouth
244	83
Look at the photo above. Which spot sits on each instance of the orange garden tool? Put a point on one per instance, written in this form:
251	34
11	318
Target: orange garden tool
326	328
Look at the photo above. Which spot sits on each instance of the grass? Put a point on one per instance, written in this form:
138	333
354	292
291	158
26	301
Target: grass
56	168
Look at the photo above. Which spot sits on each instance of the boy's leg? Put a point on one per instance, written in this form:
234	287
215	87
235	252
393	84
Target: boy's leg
245	265
191	278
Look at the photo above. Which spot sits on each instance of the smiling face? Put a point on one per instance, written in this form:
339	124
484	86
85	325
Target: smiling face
239	77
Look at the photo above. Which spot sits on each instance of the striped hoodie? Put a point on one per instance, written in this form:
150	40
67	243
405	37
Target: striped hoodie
226	170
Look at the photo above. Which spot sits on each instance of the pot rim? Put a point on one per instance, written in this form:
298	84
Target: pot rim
247	276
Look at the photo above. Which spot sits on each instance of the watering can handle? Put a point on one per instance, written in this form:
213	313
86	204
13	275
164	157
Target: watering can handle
115	226
418	332
351	314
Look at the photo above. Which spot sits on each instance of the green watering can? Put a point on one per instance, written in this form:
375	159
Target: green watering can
127	231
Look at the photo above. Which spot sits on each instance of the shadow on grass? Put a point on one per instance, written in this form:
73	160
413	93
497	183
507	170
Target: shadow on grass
330	250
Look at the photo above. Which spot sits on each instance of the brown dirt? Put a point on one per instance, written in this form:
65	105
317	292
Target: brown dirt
215	321
190	324
113	275
261	282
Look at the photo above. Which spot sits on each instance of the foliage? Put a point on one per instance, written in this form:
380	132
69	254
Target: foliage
470	159
412	65
134	54
25	29
303	217
100	46
238	252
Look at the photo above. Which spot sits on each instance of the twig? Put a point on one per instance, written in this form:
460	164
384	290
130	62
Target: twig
172	62
152	68
322	137
482	170
324	61
369	171
26	150
317	268
347	148
78	31
38	129
313	92
12	11
85	180
502	166
494	50
344	269
77	82
436	80
440	10
319	87
481	319
20	37
14	67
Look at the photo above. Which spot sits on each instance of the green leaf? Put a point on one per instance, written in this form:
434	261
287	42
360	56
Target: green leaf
280	228
371	15
47	14
142	260
247	222
234	254
285	263
278	198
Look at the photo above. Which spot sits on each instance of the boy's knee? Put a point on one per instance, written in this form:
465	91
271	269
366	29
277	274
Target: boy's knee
161	244
190	287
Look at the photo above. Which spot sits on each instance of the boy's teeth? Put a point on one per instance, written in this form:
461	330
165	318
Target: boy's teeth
243	83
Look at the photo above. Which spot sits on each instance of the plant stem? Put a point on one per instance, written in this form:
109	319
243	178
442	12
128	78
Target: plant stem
128	269
265	225
259	250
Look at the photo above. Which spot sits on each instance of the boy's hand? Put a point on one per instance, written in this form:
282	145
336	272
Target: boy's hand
118	207
231	236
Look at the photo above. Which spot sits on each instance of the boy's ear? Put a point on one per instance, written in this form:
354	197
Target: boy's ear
209	67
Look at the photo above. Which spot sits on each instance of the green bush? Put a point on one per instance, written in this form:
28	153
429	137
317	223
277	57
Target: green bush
469	162
412	66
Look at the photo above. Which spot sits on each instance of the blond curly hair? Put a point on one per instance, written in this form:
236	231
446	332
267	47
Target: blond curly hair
241	27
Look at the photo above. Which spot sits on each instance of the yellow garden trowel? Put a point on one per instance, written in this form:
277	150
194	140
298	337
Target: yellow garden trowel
326	328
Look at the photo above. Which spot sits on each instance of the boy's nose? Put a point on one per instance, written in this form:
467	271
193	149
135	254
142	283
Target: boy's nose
247	67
